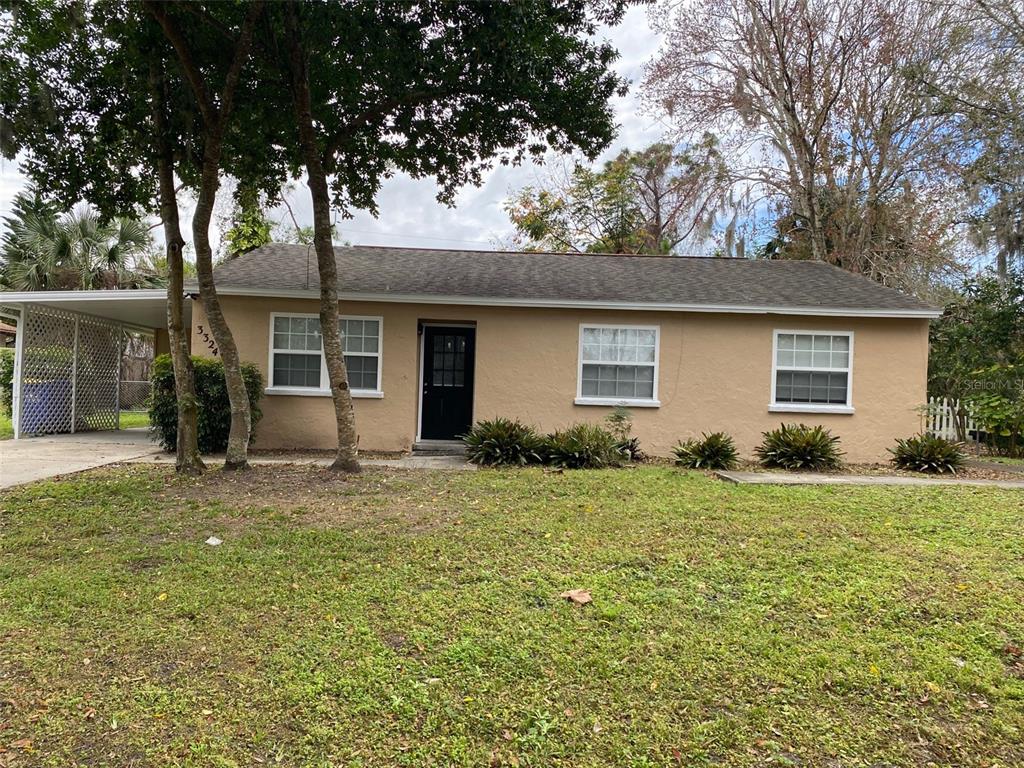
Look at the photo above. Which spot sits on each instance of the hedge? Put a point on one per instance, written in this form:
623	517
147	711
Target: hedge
214	408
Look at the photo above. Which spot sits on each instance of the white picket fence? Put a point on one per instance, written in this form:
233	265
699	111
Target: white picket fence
940	417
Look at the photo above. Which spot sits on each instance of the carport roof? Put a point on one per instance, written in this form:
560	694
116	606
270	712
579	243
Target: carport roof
145	308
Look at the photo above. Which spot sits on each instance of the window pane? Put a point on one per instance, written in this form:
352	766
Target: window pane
841	343
615	345
803	342
297	333
803	358
362	372
785	357
811	387
292	370
618	381
840	359
822	359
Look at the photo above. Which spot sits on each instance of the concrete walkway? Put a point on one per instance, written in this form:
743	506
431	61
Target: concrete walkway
37	458
996	466
812	478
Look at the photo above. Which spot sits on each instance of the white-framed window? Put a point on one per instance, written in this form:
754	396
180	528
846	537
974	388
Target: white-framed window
297	365
618	364
812	371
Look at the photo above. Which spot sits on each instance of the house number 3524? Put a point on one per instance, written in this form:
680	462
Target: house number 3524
206	337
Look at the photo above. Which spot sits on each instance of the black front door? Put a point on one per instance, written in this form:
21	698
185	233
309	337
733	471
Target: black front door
447	382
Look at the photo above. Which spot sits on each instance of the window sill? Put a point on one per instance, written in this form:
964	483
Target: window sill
810	408
367	394
612	402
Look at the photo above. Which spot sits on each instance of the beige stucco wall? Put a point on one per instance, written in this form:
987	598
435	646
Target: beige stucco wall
715	374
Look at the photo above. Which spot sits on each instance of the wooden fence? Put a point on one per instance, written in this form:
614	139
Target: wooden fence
940	418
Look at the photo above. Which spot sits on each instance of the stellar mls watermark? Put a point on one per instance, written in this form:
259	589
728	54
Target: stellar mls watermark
1008	385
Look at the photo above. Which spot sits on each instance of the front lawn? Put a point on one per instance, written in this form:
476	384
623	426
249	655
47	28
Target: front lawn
414	619
6	425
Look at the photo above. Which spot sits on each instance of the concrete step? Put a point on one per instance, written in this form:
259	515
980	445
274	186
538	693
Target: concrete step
438	448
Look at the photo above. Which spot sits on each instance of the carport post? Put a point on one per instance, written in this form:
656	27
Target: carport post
19	346
74	380
120	361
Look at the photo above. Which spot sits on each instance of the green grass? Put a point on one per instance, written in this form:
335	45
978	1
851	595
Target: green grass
130	419
6	427
414	619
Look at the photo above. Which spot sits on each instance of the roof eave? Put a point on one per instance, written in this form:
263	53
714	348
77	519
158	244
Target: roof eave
302	293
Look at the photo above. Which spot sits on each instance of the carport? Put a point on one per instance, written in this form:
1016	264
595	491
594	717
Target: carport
69	374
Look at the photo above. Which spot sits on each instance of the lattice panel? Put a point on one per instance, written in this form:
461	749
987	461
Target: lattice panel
47	371
69	372
99	363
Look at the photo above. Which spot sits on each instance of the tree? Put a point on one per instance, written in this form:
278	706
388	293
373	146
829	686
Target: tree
977	83
87	95
212	56
250	228
817	117
650	201
42	250
439	89
977	346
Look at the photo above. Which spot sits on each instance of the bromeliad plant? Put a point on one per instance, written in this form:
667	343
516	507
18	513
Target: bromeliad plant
503	442
928	453
583	446
714	451
800	447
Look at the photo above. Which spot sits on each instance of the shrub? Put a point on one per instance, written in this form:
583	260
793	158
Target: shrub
503	442
797	446
927	453
714	451
6	379
620	424
214	409
583	446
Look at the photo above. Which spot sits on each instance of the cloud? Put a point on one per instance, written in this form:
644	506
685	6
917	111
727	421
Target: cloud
409	213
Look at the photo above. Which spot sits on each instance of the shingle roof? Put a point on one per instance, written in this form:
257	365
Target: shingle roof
501	277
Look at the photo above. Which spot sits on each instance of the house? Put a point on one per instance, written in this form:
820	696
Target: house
8	333
436	339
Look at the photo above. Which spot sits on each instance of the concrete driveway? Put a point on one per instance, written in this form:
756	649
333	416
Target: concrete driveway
36	458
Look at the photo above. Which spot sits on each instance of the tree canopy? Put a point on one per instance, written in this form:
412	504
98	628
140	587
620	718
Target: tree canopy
43	250
651	201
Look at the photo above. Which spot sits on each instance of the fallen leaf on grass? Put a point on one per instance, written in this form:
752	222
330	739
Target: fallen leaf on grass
577	596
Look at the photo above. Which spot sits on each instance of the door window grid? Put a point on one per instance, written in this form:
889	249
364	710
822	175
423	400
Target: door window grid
449	361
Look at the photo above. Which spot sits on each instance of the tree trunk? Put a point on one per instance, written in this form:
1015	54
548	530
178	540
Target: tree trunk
346	457
215	121
187	460
238	396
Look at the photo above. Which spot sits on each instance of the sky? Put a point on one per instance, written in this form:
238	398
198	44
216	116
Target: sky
410	215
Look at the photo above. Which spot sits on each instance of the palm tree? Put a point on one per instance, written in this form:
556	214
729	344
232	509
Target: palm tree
43	250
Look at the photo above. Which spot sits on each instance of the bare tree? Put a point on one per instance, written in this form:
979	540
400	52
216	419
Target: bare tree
812	107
